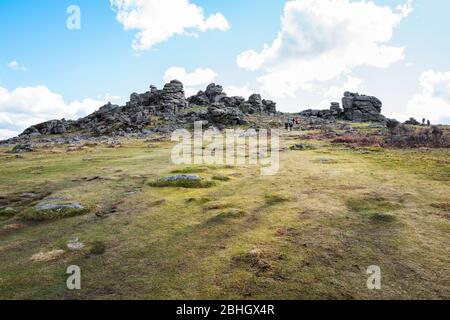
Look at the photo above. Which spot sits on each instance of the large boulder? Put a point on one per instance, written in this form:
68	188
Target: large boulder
221	115
362	108
200	99
49	127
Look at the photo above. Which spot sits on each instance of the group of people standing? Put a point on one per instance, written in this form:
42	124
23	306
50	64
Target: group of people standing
290	123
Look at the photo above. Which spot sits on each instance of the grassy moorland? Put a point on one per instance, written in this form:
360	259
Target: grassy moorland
309	232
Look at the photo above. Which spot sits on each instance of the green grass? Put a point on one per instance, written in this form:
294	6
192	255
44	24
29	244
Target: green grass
309	232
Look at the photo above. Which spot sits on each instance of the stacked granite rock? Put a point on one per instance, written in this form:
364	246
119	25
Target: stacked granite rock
362	108
172	98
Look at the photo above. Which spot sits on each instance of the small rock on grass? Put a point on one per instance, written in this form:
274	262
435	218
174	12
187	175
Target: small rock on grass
75	245
13	226
58	206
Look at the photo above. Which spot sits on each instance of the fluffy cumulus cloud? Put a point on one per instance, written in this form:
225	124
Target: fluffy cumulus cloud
157	20
193	81
27	106
323	40
197	77
240	91
433	101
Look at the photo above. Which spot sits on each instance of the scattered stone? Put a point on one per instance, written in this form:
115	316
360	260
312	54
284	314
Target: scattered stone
55	198
298	147
29	195
48	256
13	226
75	245
58	206
23	148
181	177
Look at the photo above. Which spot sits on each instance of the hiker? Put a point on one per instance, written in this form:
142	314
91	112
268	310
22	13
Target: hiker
428	123
291	125
423	121
286	125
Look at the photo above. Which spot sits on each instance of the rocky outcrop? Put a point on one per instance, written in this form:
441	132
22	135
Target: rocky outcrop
169	105
214	94
412	122
335	112
356	108
362	108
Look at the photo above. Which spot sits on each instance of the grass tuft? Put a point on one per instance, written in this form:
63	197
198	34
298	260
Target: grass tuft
272	199
220	177
383	218
97	248
190	170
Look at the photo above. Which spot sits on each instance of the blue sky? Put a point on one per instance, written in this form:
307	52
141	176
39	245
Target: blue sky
78	68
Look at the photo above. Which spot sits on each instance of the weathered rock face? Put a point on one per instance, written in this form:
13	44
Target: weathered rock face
357	108
50	127
362	108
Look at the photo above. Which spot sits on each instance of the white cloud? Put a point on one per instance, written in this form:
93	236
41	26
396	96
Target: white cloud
433	102
157	20
14	65
6	134
28	106
244	91
322	40
193	81
197	77
336	92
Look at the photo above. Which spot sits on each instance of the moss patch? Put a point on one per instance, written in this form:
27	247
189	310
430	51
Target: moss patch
371	205
189	184
32	214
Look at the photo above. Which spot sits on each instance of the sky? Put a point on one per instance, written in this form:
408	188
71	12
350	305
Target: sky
65	59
